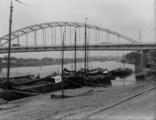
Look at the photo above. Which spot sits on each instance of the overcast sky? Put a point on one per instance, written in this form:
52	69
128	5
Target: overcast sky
127	17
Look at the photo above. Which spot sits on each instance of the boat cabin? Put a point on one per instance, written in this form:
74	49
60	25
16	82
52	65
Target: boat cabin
57	78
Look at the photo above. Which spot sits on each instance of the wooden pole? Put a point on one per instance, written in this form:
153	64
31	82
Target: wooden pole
62	65
10	27
85	46
75	50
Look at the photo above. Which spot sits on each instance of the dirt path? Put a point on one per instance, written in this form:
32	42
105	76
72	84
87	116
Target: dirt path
43	107
142	107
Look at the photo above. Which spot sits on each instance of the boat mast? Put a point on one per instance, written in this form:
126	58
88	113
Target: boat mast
85	45
62	64
87	60
9	42
75	49
123	61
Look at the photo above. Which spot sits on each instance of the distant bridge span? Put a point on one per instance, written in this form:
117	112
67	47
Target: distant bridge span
49	36
128	47
63	26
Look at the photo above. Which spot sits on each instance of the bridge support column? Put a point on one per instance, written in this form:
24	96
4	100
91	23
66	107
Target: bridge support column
140	61
0	63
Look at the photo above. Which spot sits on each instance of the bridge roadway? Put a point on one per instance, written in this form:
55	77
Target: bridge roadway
91	47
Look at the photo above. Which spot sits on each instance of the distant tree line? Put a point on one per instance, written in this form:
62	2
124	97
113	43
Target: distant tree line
21	62
151	55
131	56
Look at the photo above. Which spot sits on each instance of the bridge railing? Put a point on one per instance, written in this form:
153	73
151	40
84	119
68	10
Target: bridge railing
91	44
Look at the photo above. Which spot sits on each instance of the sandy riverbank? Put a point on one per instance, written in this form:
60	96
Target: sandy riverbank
43	107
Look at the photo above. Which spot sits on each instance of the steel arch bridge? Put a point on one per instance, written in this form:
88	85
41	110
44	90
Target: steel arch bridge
48	37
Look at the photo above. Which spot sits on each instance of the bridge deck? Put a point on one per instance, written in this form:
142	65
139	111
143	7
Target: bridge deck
91	47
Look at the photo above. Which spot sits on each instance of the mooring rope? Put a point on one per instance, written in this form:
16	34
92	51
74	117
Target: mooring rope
30	88
6	88
75	83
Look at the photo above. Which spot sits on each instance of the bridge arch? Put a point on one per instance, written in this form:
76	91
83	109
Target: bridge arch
36	27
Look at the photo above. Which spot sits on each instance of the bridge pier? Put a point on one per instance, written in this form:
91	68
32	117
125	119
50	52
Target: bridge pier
140	61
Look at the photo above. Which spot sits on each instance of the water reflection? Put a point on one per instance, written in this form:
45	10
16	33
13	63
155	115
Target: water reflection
47	70
124	81
1	74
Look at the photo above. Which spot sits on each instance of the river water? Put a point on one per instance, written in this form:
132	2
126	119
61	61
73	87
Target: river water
47	70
